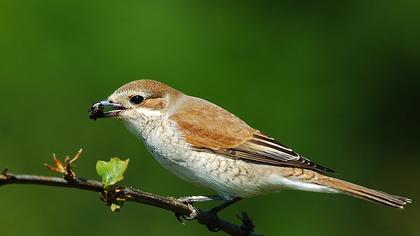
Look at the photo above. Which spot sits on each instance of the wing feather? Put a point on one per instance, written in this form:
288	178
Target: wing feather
264	151
210	128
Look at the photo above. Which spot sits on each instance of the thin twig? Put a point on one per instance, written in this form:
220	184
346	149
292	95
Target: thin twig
135	195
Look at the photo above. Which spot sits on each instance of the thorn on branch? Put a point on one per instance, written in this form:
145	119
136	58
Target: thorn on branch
5	172
65	168
6	175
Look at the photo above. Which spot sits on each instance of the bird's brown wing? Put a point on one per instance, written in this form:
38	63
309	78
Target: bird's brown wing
210	128
265	150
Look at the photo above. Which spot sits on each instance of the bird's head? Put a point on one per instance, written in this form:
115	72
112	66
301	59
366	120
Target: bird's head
139	99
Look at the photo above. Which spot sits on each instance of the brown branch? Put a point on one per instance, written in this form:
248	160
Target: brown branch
134	195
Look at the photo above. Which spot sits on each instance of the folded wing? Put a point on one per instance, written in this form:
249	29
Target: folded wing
208	127
262	149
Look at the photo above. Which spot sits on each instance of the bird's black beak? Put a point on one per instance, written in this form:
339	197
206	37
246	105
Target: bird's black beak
97	110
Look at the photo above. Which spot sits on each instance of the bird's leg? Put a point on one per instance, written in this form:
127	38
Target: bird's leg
213	212
189	200
224	205
214	226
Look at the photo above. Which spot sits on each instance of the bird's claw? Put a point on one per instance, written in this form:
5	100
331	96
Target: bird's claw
193	213
247	224
182	218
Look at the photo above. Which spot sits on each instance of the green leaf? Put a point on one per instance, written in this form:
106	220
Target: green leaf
115	207
112	171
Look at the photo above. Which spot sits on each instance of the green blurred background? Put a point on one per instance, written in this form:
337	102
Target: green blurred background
336	80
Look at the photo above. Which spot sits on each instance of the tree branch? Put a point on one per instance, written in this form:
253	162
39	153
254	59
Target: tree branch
133	195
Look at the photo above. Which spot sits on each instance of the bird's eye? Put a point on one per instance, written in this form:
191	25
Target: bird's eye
136	99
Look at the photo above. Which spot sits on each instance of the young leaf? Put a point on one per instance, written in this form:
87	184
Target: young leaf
112	171
115	207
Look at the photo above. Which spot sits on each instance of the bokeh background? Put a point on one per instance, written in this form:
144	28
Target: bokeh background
336	80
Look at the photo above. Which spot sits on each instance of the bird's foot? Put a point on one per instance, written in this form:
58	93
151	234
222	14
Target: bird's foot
247	225
213	225
193	213
190	200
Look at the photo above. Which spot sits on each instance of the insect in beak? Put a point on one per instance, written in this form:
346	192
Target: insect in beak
98	110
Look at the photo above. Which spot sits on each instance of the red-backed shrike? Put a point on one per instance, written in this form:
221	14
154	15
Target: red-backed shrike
207	145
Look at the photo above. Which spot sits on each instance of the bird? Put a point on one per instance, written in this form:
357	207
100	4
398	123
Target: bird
207	145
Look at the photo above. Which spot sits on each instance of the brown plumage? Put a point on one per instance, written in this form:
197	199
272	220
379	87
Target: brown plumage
348	188
219	149
366	193
208	127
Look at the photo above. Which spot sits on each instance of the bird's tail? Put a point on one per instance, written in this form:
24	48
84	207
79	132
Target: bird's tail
366	193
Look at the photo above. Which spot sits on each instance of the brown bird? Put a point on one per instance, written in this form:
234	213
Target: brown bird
207	145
